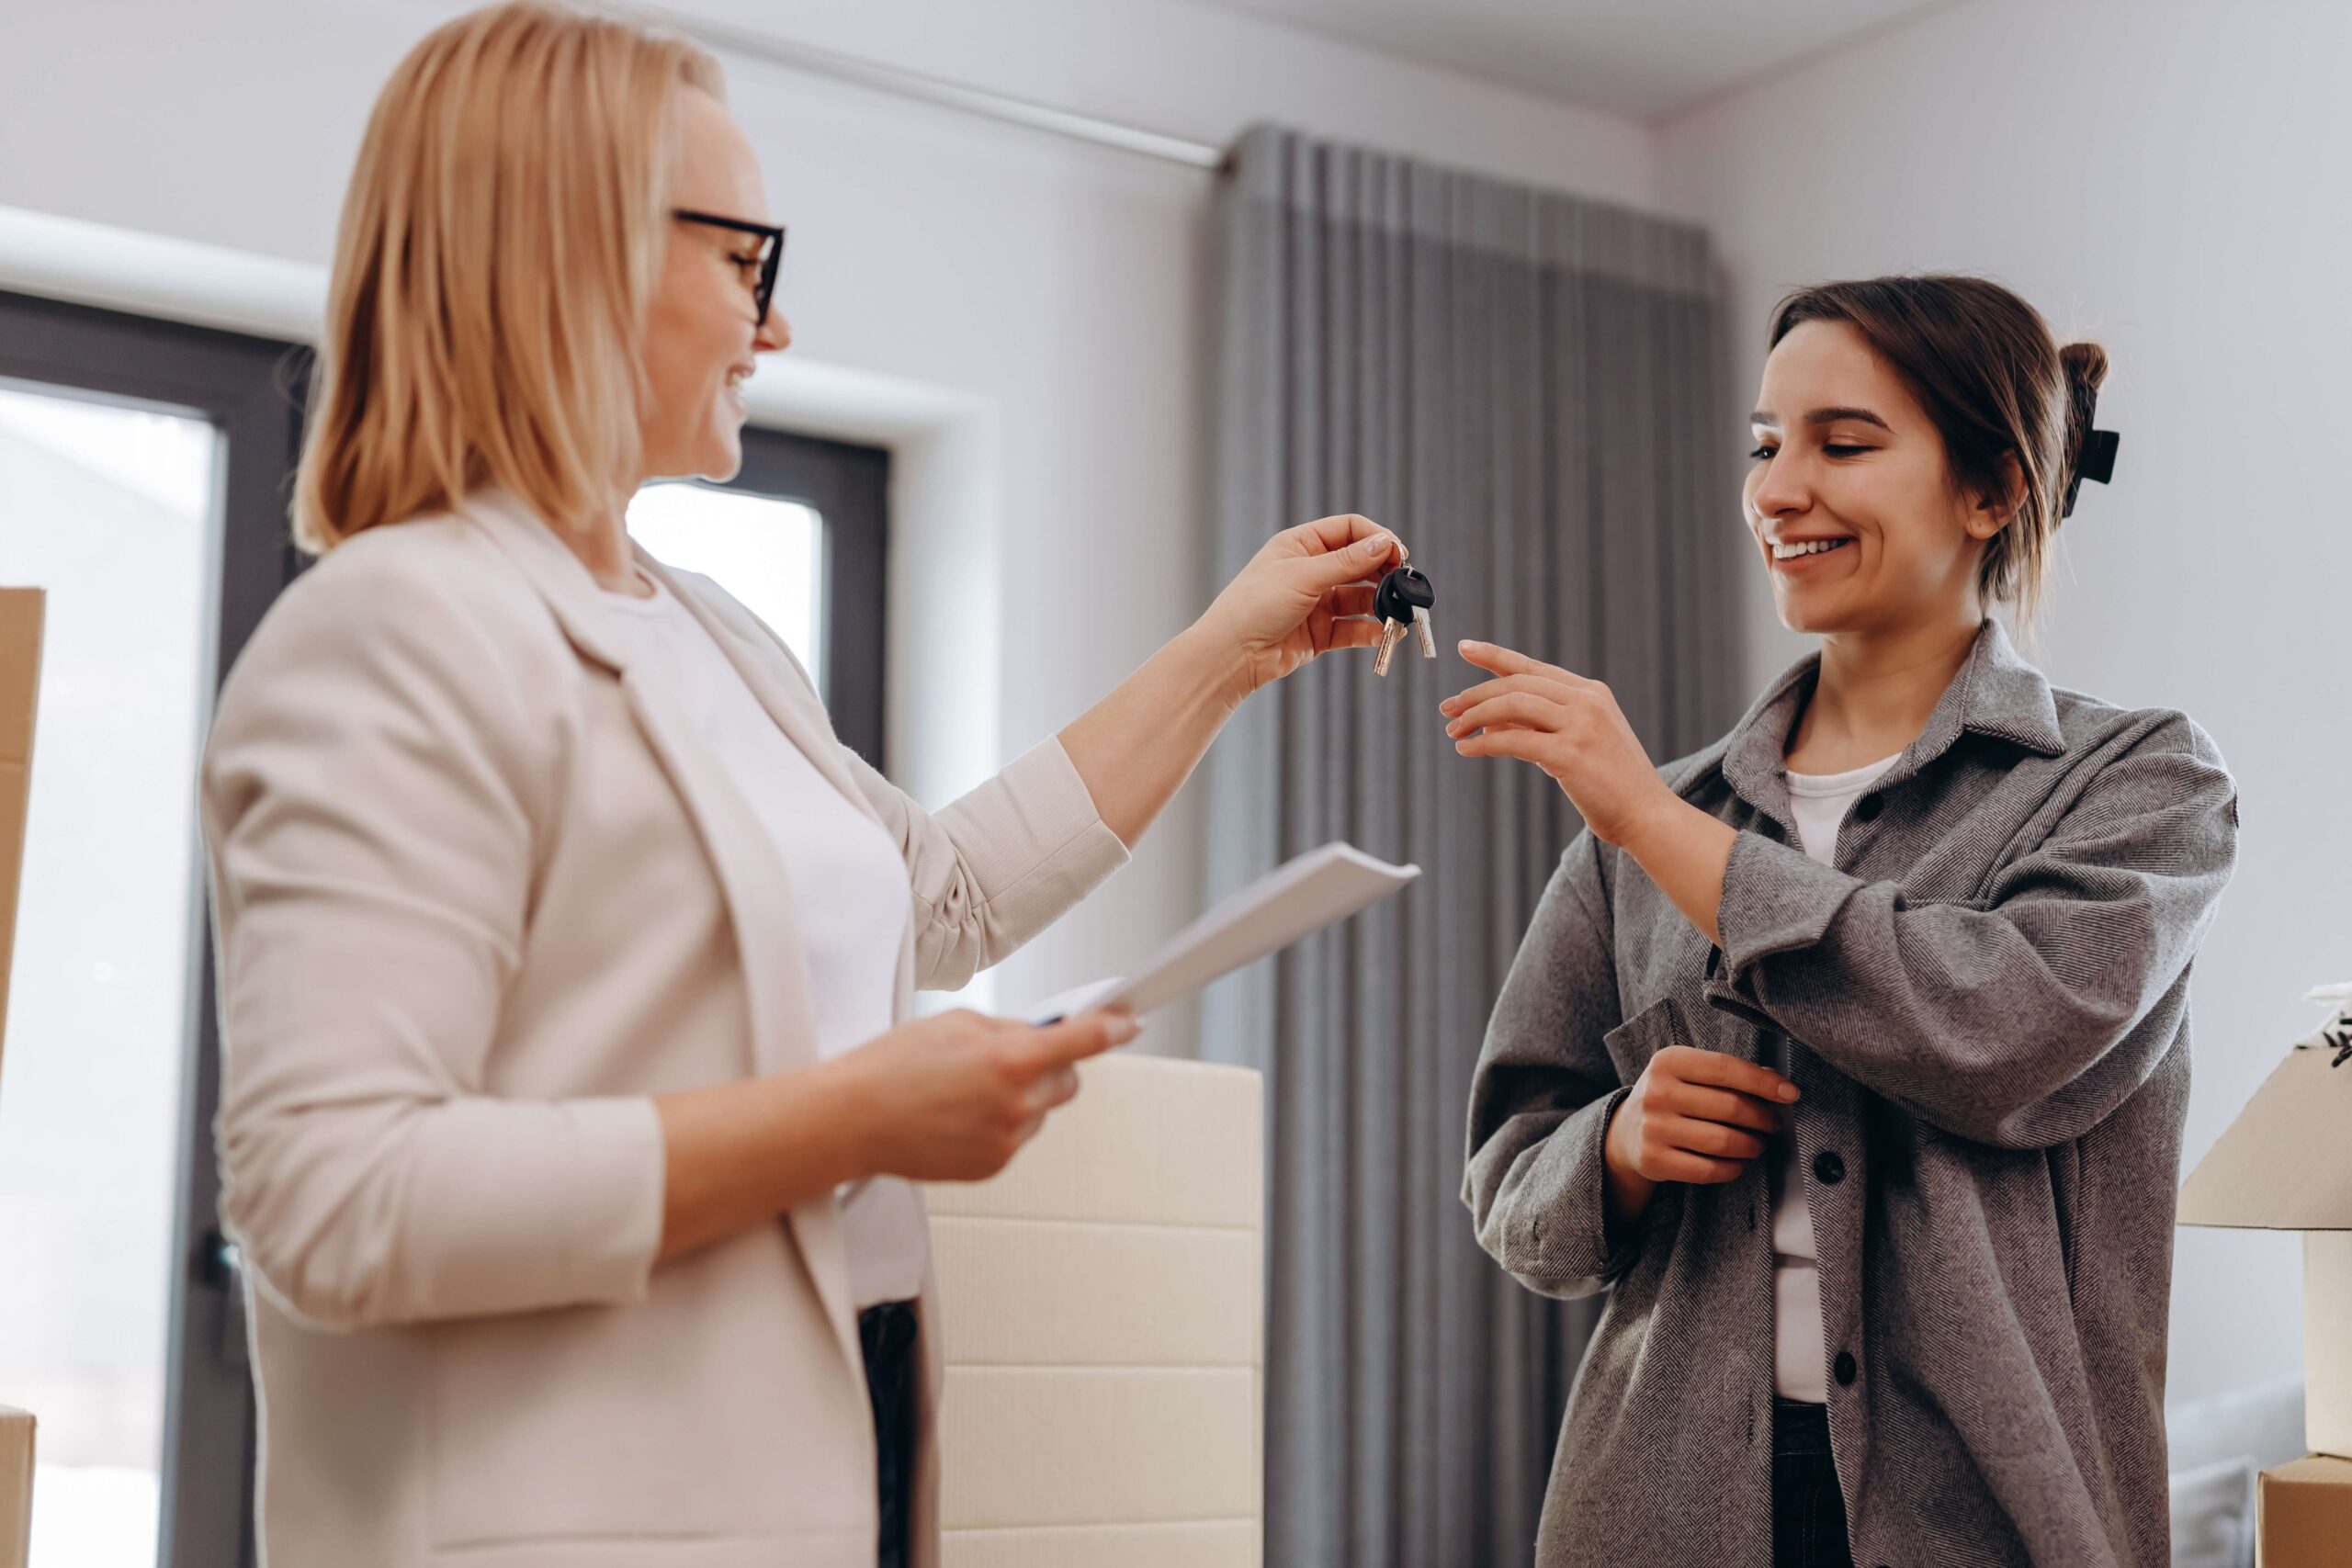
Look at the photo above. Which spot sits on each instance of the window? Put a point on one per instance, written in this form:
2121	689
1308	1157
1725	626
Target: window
799	537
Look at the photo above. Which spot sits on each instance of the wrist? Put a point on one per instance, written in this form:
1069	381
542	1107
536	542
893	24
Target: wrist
1213	663
1625	1192
851	1110
1648	829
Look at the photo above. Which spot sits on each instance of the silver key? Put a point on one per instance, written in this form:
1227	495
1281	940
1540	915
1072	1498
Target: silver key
1403	603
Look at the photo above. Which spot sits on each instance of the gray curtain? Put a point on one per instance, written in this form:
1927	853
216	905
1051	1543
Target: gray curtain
1527	386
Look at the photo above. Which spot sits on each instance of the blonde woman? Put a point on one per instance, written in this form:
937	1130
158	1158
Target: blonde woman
571	1104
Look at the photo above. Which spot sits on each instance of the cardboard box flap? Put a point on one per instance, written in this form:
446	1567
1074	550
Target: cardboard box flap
21	611
15	1486
2286	1162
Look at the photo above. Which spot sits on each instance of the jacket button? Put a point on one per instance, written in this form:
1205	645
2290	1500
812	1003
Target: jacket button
1845	1369
1828	1167
1867	808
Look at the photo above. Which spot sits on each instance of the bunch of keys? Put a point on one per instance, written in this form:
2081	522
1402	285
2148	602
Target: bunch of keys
1402	603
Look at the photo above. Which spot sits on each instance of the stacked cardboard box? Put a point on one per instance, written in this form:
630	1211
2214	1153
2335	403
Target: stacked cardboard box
21	624
2286	1164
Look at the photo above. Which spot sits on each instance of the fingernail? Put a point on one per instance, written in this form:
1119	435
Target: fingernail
1788	1092
1378	545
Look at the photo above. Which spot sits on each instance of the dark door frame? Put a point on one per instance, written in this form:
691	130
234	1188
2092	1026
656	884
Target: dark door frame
248	388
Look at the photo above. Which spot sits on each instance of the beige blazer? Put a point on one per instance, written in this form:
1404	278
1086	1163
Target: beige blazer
480	895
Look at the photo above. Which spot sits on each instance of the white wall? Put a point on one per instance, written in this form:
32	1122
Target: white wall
1051	292
2172	178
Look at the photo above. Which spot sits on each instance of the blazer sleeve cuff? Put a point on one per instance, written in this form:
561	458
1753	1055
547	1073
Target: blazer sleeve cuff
1032	839
613	1195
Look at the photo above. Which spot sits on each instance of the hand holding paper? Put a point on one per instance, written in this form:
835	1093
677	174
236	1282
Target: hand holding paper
1303	896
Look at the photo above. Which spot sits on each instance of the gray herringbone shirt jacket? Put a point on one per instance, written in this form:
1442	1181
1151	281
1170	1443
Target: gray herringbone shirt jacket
1987	1001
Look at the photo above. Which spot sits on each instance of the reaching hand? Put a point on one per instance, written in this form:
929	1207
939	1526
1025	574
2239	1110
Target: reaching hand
1307	592
1569	726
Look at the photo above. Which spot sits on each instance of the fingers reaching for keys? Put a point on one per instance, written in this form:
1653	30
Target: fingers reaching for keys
1566	725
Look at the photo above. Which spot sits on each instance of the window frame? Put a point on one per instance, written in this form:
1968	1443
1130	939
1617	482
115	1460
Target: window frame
848	486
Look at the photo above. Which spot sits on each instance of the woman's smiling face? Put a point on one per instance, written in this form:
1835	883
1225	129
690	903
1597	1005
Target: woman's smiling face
1851	501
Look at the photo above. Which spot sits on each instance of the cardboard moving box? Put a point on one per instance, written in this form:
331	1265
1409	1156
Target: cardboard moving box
2286	1164
15	1486
2303	1514
1103	1325
20	623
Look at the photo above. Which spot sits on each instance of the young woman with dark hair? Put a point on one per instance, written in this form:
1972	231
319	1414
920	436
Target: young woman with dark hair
1851	1053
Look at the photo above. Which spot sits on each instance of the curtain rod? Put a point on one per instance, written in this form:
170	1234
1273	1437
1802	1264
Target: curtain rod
927	89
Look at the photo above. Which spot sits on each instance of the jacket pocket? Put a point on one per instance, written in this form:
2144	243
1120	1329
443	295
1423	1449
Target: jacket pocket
1632	1043
2065	1162
718	1408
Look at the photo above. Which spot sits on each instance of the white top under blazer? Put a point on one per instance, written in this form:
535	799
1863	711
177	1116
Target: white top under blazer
848	884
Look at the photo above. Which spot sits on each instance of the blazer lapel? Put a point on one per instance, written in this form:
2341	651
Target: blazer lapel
751	877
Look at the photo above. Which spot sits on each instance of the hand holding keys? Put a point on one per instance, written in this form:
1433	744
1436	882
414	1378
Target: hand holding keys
1402	603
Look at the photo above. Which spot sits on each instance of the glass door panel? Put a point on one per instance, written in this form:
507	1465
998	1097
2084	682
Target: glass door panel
113	508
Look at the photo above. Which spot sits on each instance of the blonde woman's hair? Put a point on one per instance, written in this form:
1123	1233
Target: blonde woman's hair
496	254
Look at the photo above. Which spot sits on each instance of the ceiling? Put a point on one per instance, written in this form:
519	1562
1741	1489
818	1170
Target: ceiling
1645	58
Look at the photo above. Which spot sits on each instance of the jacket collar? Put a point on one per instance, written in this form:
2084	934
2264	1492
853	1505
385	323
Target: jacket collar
561	580
1995	693
584	610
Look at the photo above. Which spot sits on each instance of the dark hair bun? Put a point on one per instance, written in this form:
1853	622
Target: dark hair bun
2085	367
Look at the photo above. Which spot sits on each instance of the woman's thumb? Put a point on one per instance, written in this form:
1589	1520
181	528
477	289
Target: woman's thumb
1356	561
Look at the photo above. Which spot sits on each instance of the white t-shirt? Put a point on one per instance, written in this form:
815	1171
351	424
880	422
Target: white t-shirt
850	886
1819	802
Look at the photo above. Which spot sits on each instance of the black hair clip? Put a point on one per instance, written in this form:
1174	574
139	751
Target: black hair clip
2337	1037
2096	462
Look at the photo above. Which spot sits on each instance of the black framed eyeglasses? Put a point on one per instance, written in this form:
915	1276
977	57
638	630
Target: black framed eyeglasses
771	251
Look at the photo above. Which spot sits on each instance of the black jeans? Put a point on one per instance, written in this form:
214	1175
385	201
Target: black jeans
1808	1511
889	1334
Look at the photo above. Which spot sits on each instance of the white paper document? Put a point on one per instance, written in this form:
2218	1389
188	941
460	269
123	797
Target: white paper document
1303	896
